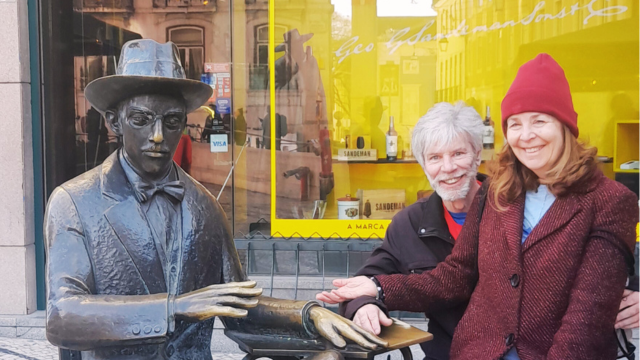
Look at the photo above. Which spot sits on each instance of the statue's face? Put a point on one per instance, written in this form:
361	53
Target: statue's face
151	127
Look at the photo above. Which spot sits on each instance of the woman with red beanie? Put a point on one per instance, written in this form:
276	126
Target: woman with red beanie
544	263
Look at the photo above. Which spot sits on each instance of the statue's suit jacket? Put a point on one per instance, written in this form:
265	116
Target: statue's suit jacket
101	250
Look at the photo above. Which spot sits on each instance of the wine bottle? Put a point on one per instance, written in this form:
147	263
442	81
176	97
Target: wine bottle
392	142
488	134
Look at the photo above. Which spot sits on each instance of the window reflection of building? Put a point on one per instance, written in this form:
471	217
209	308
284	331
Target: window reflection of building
259	76
190	42
105	25
480	65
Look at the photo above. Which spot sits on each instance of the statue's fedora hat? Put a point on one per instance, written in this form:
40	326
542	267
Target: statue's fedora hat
146	67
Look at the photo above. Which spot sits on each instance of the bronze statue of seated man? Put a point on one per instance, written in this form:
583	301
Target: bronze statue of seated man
140	256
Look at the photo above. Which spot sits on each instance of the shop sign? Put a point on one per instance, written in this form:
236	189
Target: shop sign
210	79
223	105
219	143
404	36
365	226
223	85
357	154
216	67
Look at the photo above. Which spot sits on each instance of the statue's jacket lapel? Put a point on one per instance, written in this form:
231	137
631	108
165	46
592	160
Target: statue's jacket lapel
129	243
132	238
197	257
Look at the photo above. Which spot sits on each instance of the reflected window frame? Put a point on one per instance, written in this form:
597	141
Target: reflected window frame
188	49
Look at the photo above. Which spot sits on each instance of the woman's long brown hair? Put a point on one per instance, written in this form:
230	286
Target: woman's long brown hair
509	178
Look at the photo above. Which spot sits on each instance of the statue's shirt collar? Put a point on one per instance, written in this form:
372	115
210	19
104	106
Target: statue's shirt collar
136	181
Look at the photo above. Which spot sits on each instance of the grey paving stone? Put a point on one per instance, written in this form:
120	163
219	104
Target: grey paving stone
223	356
34	333
8	321
8	332
29	321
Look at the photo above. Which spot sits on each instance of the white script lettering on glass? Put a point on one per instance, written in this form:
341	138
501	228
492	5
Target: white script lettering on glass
398	39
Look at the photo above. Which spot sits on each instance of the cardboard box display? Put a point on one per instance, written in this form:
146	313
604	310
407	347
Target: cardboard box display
381	203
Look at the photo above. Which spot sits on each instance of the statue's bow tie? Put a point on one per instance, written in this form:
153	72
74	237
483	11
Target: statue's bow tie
174	189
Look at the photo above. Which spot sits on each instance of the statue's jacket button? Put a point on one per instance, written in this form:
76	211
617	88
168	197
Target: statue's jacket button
147	329
135	330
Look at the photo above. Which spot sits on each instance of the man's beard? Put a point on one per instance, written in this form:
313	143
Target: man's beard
462	192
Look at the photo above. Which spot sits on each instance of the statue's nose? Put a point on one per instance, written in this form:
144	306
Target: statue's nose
158	137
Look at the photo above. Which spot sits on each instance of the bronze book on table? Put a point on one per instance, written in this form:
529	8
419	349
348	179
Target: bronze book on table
401	334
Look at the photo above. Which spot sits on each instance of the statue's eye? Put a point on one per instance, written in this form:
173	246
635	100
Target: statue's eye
172	121
140	119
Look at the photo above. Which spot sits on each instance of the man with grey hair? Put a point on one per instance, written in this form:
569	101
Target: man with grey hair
447	143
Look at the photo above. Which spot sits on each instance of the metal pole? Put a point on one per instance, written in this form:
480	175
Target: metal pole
233	166
273	266
323	257
295	296
249	267
348	257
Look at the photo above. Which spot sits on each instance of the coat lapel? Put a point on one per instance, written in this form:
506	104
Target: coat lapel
191	227
511	221
131	226
561	212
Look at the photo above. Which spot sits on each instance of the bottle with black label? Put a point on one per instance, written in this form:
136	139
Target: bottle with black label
488	134
392	142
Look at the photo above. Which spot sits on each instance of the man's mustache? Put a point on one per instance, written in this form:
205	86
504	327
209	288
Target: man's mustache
159	149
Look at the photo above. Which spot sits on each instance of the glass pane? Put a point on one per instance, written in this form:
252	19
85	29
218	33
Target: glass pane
337	90
263	34
196	63
263	54
183	57
252	202
77	137
186	36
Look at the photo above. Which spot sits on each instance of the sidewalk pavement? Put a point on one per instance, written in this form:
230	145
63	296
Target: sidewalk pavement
26	349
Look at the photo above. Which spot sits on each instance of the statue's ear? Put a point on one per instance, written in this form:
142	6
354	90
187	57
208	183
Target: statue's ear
114	123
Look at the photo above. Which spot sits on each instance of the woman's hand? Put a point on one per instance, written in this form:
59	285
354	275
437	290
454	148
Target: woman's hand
628	315
337	329
370	317
349	289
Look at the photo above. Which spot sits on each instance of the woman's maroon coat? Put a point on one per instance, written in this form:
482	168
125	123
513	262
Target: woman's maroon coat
554	297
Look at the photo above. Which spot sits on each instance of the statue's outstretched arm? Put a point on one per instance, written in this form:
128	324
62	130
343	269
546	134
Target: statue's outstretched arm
300	319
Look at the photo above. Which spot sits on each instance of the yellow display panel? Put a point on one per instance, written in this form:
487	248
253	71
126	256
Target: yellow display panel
341	69
626	142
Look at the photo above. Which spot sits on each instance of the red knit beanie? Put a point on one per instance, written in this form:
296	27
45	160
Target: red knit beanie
540	86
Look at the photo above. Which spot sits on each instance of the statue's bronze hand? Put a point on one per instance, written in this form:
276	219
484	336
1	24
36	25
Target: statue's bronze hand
218	300
335	328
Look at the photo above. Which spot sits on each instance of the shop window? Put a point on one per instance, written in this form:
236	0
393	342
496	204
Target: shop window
190	42
396	64
259	71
